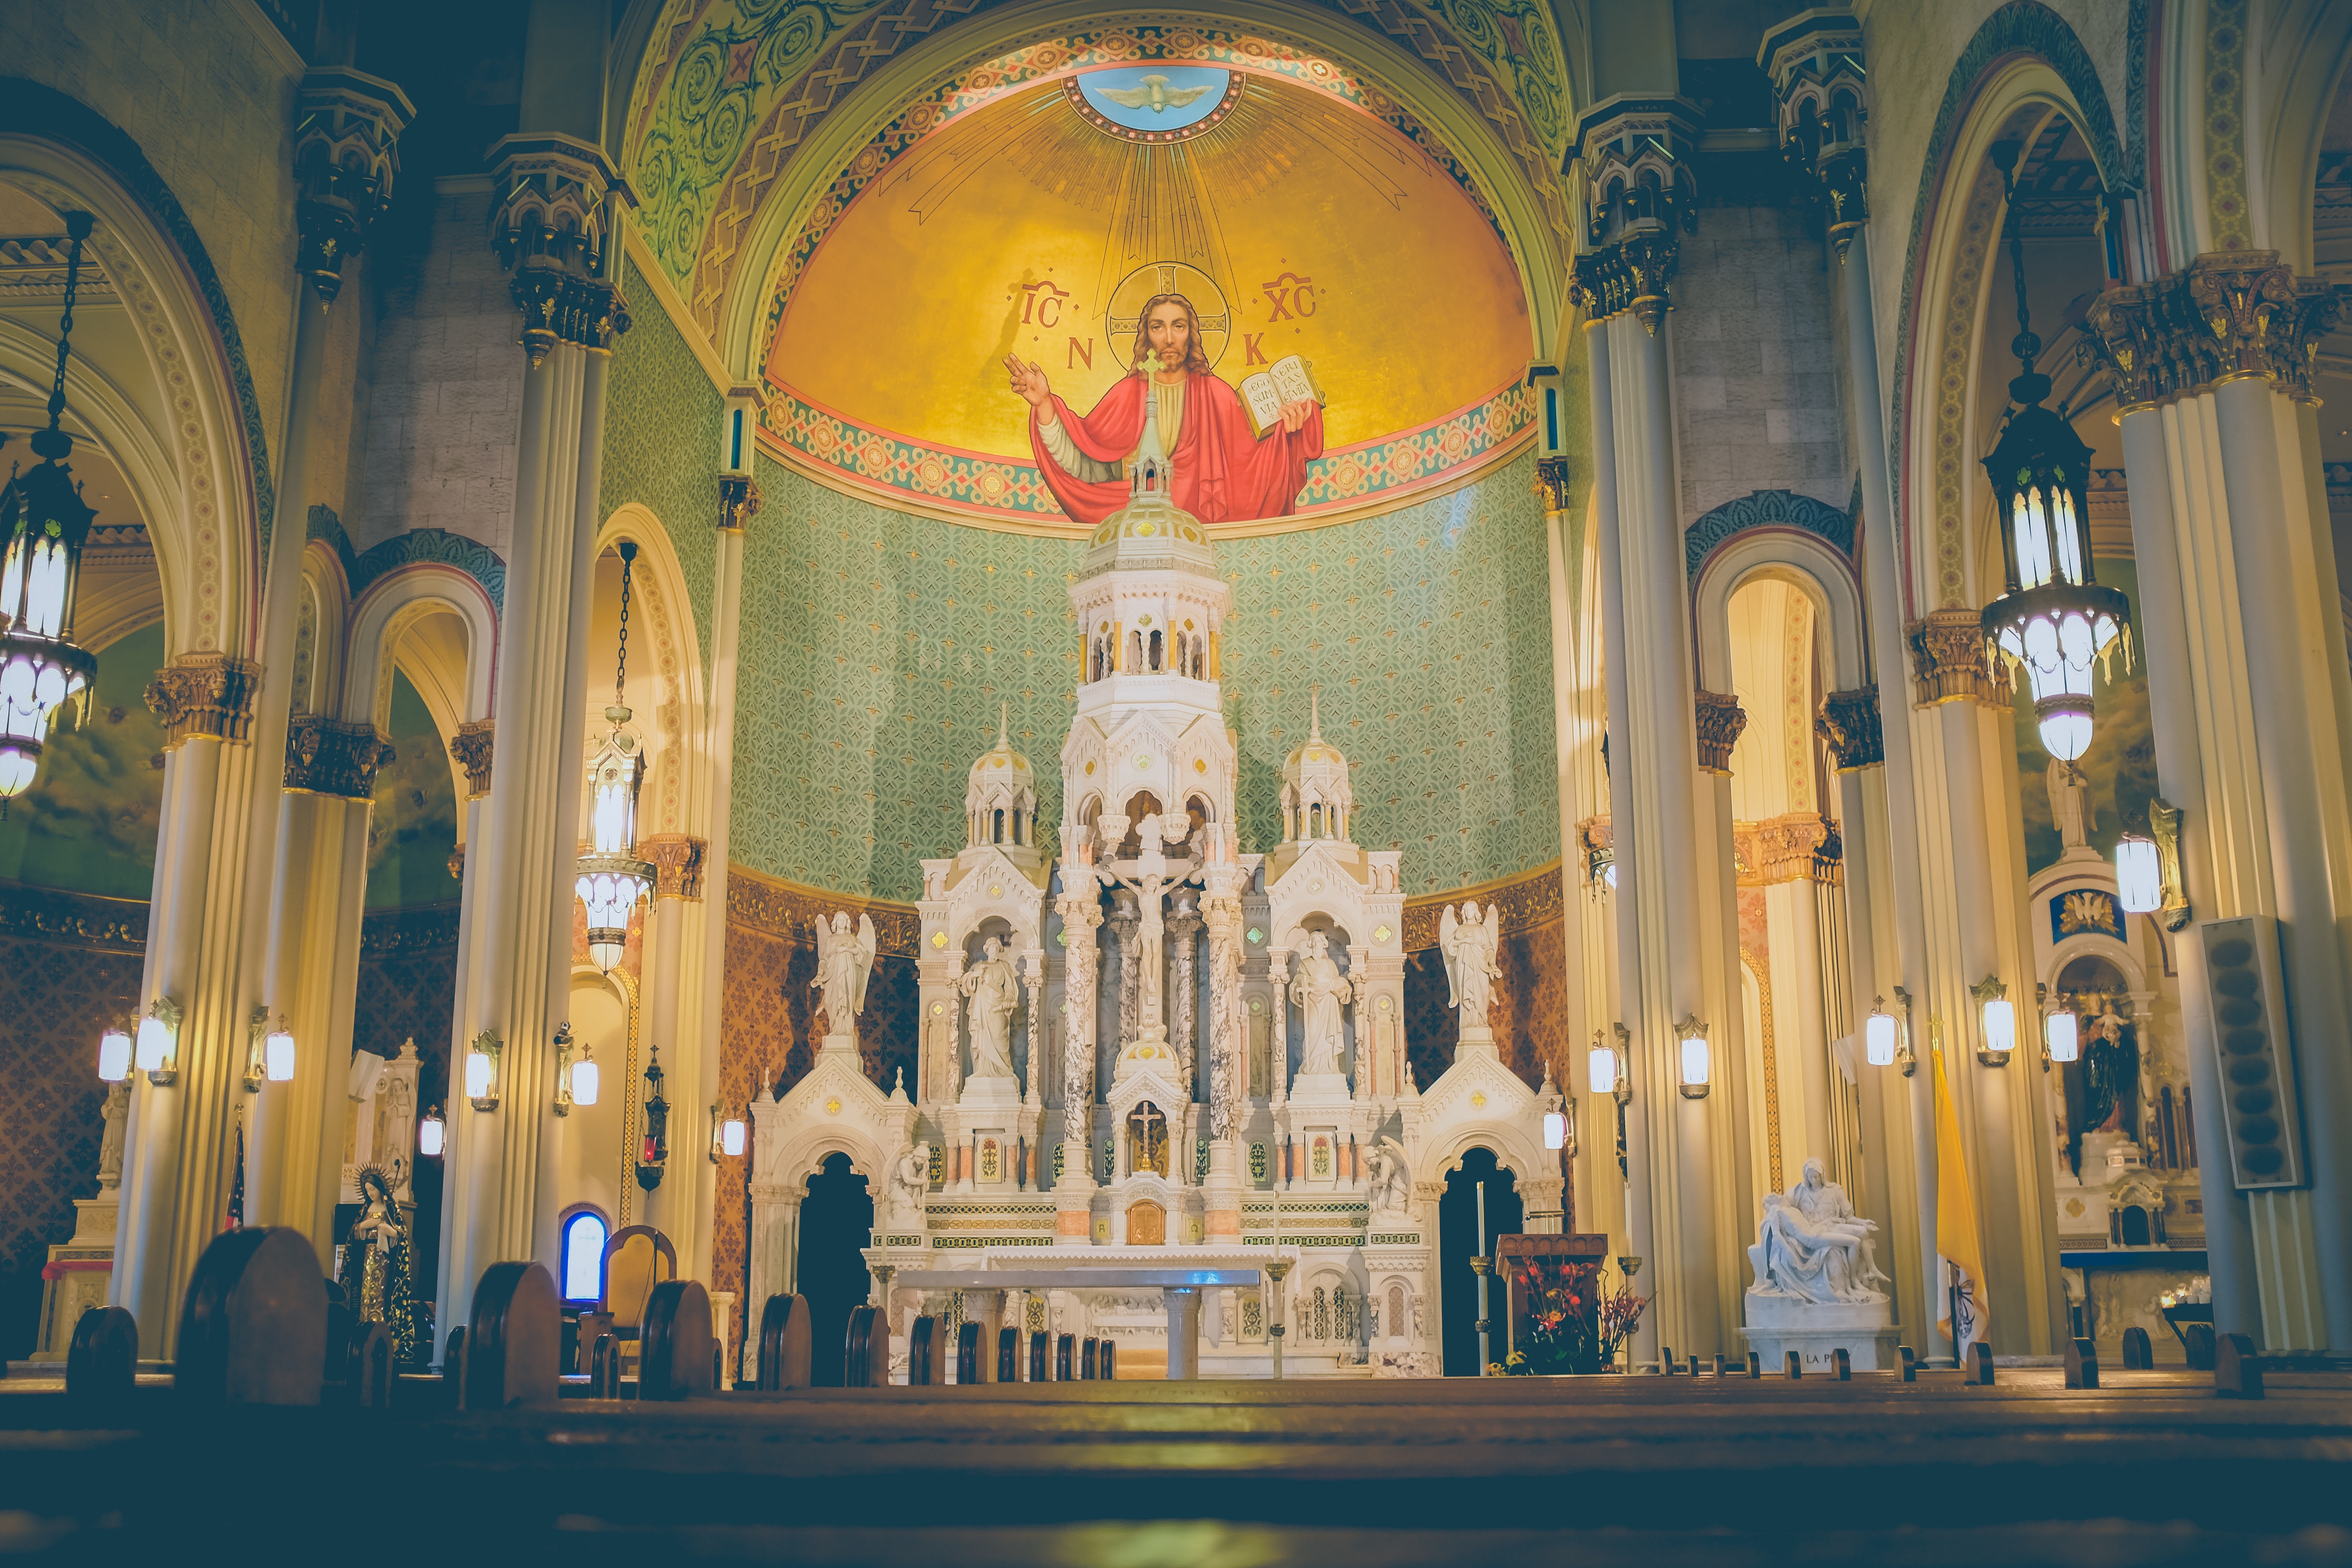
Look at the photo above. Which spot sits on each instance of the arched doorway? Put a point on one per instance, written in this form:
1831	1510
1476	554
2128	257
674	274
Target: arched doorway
837	1223
1458	1240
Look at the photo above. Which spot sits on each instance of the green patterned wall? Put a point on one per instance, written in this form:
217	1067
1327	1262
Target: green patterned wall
877	646
661	441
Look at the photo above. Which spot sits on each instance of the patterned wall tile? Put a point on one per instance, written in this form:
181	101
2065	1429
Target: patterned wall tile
877	645
661	442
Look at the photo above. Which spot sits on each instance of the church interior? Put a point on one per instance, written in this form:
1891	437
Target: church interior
839	781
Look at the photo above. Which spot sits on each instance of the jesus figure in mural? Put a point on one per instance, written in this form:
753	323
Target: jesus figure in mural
1223	473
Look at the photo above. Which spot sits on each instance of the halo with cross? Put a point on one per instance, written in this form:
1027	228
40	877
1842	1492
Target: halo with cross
1154	277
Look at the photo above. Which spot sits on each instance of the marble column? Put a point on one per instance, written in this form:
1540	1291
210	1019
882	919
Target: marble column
1184	1029
678	1207
1228	1048
1081	912
553	228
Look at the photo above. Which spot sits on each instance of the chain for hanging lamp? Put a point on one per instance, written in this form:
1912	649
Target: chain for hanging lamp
612	877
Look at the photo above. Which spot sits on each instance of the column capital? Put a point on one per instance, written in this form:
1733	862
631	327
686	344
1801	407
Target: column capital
2230	315
347	127
1951	660
327	756
1815	63
1552	482
1849	722
1720	721
1635	155
552	225
738	503
472	746
204	694
677	864
1801	846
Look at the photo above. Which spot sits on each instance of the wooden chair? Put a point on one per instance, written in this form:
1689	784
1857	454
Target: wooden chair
638	1257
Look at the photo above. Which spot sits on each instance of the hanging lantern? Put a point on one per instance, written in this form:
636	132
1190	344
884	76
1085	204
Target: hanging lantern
2054	620
612	877
44	524
653	1149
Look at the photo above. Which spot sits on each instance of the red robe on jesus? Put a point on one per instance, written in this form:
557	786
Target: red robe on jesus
1223	474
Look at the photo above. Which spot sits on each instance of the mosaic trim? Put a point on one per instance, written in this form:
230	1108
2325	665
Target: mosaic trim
1401	1238
2225	124
1766	509
986	488
1067	59
27	108
418	547
2019	27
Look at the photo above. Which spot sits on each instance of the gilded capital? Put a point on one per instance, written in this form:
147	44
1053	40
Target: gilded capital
1551	482
738	503
326	756
1802	847
2231	315
1720	721
1814	62
1635	156
551	226
472	747
1849	722
1950	658
677	864
207	694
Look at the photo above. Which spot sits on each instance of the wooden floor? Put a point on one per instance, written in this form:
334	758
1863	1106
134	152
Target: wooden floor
1647	1472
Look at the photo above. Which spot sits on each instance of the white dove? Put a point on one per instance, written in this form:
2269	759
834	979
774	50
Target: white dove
1154	94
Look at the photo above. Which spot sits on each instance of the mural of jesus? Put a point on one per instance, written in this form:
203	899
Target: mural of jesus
1223	471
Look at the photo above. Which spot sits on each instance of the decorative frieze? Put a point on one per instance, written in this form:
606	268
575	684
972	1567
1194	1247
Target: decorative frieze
2228	316
1950	658
1849	722
346	137
677	864
327	756
206	694
1720	721
472	746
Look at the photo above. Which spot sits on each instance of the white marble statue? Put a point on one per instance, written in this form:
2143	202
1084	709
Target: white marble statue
1228	1042
995	991
1321	992
1468	944
845	961
2070	803
911	1183
1392	1197
117	1113
1812	1247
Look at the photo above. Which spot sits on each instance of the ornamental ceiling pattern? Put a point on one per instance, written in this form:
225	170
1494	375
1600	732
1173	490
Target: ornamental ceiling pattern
730	89
876	648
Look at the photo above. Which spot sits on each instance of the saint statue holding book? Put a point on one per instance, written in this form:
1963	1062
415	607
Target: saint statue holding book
1236	454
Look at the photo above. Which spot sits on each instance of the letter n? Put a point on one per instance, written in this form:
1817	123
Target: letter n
1081	353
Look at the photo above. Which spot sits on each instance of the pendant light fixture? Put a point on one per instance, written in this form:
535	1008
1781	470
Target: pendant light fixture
612	877
2054	620
43	524
653	1145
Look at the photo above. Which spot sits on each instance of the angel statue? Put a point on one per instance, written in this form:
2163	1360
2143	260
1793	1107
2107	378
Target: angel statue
910	1181
845	962
1391	1183
1469	944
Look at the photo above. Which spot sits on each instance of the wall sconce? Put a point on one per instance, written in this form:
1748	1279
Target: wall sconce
576	1083
1698	1058
2061	1035
1999	1018
726	1137
159	1042
2148	870
114	1055
432	1134
269	1058
1880	1034
1555	1131
482	1071
1605	1068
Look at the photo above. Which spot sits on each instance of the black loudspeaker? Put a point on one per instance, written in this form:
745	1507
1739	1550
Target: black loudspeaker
2248	990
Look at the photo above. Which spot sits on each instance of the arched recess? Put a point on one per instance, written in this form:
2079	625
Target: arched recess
321	623
1539	243
437	625
2298	68
2023	58
1805	563
170	400
1512	1146
1939	439
677	722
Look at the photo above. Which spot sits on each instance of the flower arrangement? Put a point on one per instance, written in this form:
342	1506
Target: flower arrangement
1576	1321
